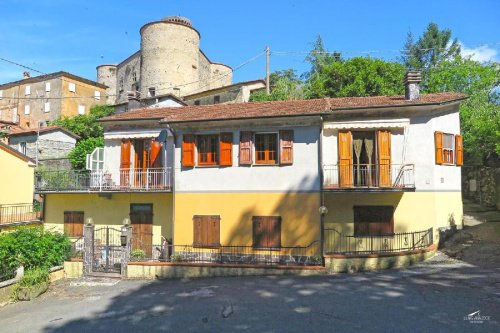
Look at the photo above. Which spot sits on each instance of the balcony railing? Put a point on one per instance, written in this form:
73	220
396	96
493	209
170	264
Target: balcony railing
339	243
121	180
18	213
352	176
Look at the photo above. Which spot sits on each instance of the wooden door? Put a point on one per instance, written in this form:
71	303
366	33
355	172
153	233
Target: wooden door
125	163
384	158
345	159
141	218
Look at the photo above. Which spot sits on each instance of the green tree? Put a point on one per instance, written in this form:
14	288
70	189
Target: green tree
285	85
90	131
359	76
432	47
85	125
480	113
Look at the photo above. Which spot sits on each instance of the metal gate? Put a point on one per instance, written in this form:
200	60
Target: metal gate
108	252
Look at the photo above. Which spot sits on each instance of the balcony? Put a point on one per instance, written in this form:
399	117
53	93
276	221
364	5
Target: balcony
369	177
19	214
120	180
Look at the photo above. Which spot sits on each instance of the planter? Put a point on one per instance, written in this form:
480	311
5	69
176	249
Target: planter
29	293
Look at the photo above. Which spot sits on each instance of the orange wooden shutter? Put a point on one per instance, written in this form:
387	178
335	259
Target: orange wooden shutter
226	149
459	150
345	159
155	152
188	150
384	158
214	238
125	154
286	147
246	148
438	142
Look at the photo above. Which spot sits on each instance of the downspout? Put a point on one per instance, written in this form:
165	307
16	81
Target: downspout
173	185
322	196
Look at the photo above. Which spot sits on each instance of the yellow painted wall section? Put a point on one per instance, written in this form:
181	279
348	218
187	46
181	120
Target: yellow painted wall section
110	212
413	211
69	106
16	179
300	224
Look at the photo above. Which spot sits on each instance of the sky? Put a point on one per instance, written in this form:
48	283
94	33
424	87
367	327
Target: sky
77	36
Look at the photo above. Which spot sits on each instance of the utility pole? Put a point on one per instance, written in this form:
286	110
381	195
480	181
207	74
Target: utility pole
268	53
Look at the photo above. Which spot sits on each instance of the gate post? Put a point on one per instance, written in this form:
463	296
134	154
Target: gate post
127	232
88	246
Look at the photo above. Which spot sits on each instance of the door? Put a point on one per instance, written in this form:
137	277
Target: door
141	218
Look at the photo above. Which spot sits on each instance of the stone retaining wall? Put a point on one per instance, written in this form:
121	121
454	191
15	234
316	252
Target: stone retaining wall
482	185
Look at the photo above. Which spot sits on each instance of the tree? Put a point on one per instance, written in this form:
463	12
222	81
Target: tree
480	113
359	76
285	85
319	56
432	47
90	131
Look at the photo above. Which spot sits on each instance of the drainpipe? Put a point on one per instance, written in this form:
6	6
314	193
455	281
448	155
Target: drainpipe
322	197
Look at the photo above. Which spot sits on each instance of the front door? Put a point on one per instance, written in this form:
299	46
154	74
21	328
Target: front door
141	218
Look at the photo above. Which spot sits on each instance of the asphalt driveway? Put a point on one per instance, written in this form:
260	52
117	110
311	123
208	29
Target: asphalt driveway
433	297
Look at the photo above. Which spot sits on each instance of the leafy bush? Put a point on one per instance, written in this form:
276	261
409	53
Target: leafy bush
32	247
138	254
34	277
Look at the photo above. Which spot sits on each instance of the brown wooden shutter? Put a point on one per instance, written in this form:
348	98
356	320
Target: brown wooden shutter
226	149
197	231
259	231
125	154
438	143
155	152
345	159
188	150
384	158
214	226
73	224
246	148
274	231
286	147
459	150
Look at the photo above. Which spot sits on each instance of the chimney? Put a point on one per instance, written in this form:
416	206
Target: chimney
412	85
133	100
26	75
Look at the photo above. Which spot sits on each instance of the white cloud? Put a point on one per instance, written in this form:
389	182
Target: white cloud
482	53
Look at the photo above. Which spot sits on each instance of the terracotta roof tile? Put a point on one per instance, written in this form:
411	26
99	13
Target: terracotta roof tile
43	130
276	108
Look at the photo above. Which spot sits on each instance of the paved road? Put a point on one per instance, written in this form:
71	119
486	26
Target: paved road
431	297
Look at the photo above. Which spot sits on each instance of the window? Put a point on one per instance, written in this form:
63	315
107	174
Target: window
197	102
206	230
207	149
71	87
121	85
373	221
81	109
266	232
73	224
27	90
27	109
47	86
97	95
134	76
449	148
266	148
152	92
47	107
216	99
22	147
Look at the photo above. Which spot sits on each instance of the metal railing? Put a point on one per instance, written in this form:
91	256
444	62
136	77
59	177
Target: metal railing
368	176
151	179
18	213
230	254
339	243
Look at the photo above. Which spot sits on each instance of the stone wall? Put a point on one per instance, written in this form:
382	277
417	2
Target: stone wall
482	185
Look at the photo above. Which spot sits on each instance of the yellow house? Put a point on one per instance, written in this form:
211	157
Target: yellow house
16	186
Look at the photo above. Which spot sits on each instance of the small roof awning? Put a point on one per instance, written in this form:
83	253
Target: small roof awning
132	135
368	124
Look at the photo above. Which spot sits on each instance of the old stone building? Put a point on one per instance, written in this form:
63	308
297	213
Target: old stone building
170	62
